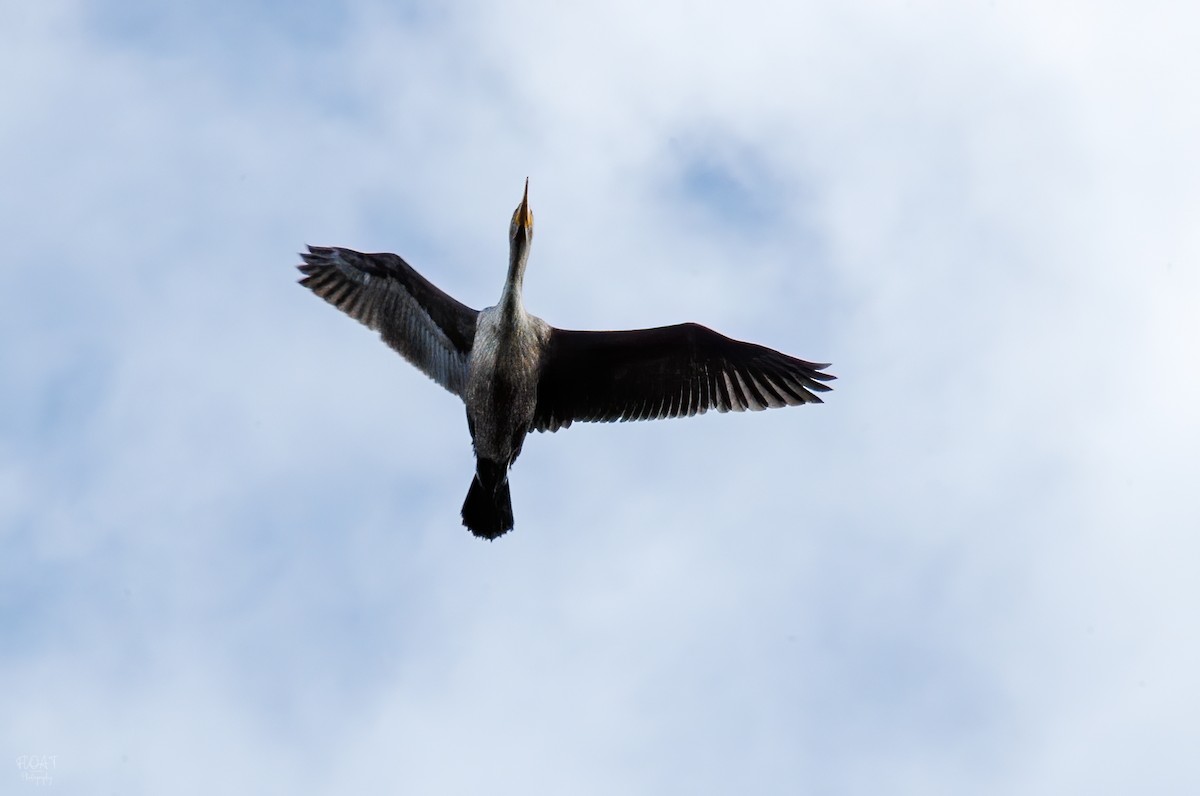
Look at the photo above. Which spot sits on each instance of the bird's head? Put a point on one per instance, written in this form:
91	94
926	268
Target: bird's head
520	231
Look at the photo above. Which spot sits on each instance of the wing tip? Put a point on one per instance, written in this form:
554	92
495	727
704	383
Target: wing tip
317	254
316	259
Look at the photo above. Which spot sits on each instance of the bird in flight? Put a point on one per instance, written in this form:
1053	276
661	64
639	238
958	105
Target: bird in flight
518	374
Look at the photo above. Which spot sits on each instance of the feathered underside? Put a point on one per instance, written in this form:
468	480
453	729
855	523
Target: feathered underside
431	329
670	371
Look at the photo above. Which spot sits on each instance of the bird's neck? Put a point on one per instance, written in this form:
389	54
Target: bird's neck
511	303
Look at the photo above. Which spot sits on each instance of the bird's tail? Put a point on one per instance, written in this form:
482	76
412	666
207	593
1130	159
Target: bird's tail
487	511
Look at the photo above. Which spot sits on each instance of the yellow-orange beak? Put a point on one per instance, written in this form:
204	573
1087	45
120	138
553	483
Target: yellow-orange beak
524	218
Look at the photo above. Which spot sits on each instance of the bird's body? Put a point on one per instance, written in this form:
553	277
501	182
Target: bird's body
502	374
515	373
501	398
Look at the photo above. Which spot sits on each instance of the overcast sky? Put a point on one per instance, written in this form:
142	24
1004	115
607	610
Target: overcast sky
230	551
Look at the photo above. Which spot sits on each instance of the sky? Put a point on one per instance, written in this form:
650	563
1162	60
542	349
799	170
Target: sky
230	550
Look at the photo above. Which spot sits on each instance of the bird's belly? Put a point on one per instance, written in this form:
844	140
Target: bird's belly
501	394
501	411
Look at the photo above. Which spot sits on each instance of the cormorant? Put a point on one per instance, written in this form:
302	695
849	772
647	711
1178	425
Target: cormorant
517	374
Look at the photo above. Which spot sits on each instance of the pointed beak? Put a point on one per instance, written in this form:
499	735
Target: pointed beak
524	217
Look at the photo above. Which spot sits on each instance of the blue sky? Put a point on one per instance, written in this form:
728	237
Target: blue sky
229	516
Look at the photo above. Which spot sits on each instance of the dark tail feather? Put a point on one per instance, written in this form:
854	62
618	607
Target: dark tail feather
487	511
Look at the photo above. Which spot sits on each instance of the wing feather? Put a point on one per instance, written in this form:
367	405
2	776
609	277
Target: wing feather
670	371
426	326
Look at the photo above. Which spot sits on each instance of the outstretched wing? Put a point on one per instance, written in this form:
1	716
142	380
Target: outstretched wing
429	328
671	371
